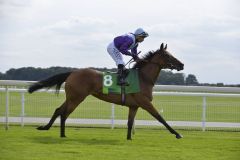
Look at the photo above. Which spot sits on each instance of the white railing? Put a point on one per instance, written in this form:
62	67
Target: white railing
205	89
11	86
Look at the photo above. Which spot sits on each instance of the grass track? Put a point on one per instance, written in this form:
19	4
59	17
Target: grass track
27	143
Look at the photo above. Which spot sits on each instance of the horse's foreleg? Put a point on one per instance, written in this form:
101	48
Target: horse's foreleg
155	114
131	116
57	113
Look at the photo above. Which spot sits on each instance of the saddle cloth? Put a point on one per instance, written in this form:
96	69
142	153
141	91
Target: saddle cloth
110	82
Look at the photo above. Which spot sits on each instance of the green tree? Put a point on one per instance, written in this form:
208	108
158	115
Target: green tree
170	78
191	80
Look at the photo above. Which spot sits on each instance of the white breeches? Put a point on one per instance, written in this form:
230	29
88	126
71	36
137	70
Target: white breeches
115	54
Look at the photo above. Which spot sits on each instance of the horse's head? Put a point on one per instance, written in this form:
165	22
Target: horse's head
167	60
162	58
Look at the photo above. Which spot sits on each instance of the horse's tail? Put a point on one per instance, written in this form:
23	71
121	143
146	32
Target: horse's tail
49	82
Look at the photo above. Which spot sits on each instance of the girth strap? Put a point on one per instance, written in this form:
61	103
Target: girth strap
123	95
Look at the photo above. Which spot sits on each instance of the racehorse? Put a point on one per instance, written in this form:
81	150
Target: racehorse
83	82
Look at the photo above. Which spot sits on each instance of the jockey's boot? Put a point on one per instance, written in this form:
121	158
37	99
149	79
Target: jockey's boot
122	74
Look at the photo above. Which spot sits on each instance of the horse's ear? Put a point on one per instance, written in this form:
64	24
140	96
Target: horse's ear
161	47
165	47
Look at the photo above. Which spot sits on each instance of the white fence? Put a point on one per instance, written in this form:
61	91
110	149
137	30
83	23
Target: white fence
175	91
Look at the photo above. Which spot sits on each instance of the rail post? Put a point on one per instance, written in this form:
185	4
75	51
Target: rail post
23	108
7	108
204	114
112	116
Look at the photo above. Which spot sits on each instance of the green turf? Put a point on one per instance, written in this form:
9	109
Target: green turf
27	143
171	107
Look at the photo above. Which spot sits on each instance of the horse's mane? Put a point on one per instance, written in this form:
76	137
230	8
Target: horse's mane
148	56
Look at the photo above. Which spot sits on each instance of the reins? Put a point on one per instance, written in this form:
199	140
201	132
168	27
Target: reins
144	61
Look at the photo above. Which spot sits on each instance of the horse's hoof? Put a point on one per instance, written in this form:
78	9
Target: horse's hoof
42	128
179	136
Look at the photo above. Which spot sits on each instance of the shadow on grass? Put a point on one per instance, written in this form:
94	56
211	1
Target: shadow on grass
88	141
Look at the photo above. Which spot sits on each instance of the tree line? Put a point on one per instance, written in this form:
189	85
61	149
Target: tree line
35	74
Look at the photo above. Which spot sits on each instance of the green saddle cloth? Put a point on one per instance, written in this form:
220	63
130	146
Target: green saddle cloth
110	83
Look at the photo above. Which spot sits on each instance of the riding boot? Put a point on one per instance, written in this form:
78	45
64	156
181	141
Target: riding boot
122	73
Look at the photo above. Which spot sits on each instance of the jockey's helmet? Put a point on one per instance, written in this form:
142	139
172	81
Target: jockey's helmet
140	32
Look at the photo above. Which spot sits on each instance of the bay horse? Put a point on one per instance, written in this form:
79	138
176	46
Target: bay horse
83	82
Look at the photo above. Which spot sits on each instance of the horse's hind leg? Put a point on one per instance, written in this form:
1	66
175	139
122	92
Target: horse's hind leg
57	113
70	106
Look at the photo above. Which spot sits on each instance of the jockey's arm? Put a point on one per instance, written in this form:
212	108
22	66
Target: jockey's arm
124	47
134	53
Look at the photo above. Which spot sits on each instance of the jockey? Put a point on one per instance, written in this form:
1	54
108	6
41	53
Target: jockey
121	45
